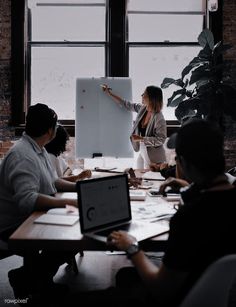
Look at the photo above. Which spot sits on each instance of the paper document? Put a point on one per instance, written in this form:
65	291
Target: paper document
153	176
151	211
68	210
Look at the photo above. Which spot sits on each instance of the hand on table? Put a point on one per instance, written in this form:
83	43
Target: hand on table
172	182
84	174
120	239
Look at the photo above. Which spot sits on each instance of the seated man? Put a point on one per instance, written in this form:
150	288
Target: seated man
202	230
28	183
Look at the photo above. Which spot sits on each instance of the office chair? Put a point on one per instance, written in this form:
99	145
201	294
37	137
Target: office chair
213	287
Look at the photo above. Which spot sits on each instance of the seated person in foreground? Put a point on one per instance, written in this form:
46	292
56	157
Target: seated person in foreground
27	184
55	148
195	238
178	181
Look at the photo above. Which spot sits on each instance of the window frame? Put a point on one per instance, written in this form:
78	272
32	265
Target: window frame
116	51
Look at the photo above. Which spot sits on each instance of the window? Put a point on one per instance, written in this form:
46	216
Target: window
144	39
162	39
67	41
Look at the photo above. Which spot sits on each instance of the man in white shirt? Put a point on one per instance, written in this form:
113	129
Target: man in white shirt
28	183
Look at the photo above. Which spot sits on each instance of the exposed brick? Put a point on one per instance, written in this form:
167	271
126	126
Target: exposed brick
6	132
229	37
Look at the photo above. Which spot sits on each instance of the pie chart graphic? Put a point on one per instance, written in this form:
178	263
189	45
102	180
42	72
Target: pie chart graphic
91	214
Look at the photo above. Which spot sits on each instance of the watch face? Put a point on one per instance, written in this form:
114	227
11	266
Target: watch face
133	249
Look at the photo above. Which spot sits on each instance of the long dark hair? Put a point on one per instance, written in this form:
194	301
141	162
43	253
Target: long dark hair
155	97
58	144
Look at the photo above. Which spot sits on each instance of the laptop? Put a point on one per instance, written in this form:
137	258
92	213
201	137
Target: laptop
104	206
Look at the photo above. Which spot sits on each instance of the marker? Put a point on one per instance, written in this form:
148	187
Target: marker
104	87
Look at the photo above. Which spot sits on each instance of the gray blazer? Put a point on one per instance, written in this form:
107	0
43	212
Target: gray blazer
155	135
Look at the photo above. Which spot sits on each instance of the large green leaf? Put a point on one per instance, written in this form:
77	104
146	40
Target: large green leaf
180	83
167	82
206	38
187	69
205	89
203	93
201	82
186	108
205	54
176	98
202	72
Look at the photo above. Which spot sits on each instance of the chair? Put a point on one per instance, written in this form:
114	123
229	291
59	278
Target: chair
213	287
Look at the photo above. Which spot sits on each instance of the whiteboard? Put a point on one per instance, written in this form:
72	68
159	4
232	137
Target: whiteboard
101	125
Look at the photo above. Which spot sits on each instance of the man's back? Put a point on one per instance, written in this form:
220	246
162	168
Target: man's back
202	231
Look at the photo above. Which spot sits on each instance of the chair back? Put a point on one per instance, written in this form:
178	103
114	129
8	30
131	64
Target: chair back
213	287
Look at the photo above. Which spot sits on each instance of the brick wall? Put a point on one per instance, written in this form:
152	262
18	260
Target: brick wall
4	147
229	37
6	132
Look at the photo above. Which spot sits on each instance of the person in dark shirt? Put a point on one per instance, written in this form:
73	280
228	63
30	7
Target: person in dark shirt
202	230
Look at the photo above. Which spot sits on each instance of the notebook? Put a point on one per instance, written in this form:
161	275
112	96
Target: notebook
59	216
56	219
104	206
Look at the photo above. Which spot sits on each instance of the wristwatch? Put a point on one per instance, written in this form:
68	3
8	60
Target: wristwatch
132	249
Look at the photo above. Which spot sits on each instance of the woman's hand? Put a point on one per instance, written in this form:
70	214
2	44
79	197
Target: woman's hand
157	167
120	240
106	89
136	138
84	174
135	182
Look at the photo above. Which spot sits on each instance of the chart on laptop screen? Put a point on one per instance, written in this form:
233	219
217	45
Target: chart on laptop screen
104	202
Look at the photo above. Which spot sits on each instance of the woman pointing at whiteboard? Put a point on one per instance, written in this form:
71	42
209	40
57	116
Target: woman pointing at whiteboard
149	129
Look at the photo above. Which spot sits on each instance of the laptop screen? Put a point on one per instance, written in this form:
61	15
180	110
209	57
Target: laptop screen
103	202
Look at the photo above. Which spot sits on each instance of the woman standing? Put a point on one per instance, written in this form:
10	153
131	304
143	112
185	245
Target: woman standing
149	129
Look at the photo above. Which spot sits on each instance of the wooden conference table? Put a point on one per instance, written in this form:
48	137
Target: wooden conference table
31	236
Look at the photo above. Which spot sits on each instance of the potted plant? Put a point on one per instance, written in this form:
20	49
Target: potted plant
201	91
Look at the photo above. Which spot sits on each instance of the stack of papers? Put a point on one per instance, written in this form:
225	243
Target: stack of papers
152	211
